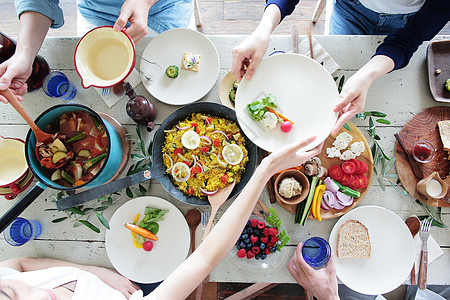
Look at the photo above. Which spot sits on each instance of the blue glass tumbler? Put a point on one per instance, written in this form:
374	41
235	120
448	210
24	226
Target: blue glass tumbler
21	231
57	85
316	252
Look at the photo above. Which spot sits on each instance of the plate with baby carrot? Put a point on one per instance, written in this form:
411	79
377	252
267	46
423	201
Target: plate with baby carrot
148	239
290	97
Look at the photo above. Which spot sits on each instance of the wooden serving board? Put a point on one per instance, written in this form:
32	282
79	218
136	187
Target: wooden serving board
327	162
423	126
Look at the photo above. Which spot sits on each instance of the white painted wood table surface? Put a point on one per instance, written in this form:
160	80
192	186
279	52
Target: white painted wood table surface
401	94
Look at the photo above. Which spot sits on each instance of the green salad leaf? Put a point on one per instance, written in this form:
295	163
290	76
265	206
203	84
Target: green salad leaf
152	216
274	220
257	108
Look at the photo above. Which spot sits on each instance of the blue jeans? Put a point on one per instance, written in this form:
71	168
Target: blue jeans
350	17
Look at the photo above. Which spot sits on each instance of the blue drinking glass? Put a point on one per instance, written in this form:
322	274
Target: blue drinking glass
316	252
21	231
57	85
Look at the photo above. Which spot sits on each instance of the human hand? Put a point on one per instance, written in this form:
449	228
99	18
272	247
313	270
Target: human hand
116	281
248	54
321	283
352	98
135	12
13	75
290	156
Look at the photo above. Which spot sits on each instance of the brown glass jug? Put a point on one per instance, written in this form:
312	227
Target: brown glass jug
140	109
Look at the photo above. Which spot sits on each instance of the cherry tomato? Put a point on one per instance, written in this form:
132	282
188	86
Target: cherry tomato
335	173
348	167
362	168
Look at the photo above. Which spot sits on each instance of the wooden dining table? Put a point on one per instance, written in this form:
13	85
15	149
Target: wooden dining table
400	94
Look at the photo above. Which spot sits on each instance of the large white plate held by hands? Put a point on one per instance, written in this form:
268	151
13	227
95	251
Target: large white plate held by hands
168	49
306	94
168	252
392	254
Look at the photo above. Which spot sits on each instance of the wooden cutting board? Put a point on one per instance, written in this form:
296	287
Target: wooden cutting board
423	126
366	157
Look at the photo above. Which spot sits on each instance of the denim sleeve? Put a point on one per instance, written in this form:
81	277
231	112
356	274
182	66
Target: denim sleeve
423	26
49	8
286	6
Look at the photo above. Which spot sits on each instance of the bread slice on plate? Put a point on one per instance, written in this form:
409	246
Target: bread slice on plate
353	240
444	132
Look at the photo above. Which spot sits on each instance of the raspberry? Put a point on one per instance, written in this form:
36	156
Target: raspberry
256	249
261	225
264	239
274	238
250	254
266	231
241	253
253	239
270	244
267	251
273	231
254	222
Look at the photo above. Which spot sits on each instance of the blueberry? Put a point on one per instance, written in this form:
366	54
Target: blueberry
238	247
257	231
262	246
263	256
242	244
244	236
248	223
246	241
257	243
244	231
248	246
250	230
273	249
258	256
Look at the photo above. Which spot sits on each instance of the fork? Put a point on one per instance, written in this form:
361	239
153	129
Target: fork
204	219
424	234
105	91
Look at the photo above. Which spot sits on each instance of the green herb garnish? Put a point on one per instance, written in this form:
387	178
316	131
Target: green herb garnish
257	108
274	220
152	215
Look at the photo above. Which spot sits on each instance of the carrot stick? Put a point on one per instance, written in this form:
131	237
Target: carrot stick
141	231
278	114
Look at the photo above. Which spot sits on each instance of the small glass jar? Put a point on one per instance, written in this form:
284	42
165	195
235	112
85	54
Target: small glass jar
423	151
316	252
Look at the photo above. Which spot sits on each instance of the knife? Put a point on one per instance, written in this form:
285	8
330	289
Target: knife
416	169
103	190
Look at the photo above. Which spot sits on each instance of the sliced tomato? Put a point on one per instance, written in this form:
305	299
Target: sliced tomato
204	149
356	162
224	178
335	172
190	191
363	181
354	184
178	150
195	170
194	124
362	168
346	179
348	167
208	120
217	142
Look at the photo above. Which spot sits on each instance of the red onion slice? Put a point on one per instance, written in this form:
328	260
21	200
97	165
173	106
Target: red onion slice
208	192
207	138
181	128
171	162
218	131
344	199
331	185
327	197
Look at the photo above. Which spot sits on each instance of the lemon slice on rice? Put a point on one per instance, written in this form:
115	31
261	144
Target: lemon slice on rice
232	154
181	172
190	140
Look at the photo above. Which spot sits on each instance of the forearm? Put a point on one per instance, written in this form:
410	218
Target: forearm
219	242
378	66
33	29
269	21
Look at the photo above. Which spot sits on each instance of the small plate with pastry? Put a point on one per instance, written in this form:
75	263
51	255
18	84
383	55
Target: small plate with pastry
373	250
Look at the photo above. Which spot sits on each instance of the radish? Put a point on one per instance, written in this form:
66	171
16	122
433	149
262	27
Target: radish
286	126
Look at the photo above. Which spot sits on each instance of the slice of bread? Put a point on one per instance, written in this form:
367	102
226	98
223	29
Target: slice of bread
353	240
444	132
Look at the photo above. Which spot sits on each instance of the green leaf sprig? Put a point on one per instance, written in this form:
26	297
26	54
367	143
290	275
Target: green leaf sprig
274	220
435	213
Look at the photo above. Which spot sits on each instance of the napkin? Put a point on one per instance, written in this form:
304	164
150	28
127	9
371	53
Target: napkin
434	251
134	79
320	54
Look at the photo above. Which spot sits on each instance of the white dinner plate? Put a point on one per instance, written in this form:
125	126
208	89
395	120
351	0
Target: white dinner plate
306	95
168	49
392	254
168	252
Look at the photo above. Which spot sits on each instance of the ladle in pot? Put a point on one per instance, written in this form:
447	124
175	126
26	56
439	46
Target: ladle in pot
41	136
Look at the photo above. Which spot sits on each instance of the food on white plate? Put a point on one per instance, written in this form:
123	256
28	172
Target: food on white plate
191	61
289	187
172	71
353	240
264	112
269	120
